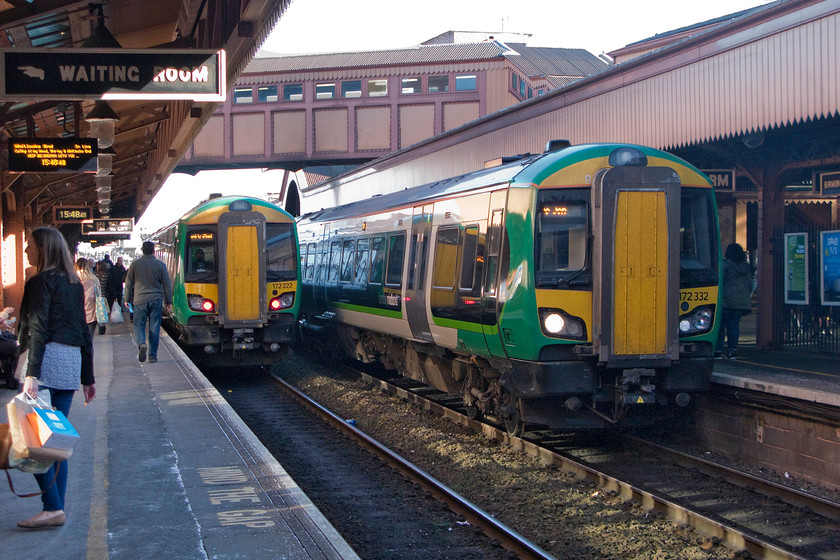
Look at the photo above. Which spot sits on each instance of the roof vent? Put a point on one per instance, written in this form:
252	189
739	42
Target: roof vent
556	145
214	195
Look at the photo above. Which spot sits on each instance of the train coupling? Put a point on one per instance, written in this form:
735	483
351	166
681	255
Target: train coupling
636	387
242	339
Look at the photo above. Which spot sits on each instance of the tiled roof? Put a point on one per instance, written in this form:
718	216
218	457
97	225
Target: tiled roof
424	54
556	63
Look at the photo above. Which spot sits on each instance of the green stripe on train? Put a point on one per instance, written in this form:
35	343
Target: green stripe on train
369	310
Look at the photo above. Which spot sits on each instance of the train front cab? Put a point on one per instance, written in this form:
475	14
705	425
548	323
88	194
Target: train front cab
650	268
246	301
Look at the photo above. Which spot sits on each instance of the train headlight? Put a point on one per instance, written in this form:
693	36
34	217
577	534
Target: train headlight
557	323
284	301
198	302
699	321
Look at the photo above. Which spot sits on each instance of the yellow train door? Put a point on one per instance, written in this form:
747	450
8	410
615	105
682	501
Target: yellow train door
242	264
640	298
636	220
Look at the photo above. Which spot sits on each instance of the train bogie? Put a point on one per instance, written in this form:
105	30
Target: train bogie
575	289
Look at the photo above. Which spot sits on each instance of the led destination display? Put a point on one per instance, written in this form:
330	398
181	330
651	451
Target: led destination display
53	155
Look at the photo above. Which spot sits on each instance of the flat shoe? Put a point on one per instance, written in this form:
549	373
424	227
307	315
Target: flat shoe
44	519
141	354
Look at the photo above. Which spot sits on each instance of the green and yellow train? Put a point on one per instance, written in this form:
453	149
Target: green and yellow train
234	267
574	289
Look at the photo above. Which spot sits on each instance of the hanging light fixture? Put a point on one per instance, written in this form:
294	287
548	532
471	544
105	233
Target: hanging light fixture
103	121
105	161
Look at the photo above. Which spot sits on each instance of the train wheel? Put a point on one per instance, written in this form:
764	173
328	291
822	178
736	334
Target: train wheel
510	414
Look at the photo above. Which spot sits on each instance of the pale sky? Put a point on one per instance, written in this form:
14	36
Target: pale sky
311	26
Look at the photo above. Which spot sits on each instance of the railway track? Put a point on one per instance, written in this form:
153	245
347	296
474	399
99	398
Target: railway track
382	505
752	516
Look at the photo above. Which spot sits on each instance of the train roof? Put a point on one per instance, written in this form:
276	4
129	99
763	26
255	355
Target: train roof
535	169
215	203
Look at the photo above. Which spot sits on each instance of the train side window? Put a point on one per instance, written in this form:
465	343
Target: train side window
335	262
309	271
396	255
321	262
469	258
362	260
347	258
200	255
281	260
494	241
377	259
446	258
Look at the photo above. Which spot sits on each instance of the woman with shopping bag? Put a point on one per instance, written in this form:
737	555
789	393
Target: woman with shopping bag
59	353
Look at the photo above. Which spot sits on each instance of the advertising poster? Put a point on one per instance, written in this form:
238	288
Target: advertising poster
830	271
796	268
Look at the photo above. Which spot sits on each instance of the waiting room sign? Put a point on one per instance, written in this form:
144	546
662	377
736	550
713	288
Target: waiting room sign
75	74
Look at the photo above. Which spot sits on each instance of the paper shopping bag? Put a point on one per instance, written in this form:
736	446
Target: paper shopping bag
27	454
52	429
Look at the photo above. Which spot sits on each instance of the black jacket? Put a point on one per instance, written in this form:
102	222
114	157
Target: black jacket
53	310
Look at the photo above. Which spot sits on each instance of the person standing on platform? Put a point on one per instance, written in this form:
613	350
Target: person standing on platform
54	333
102	269
116	277
90	283
736	298
149	290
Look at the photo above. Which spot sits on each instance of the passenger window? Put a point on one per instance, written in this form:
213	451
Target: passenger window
377	260
309	271
347	257
396	255
321	262
446	258
469	257
335	262
362	260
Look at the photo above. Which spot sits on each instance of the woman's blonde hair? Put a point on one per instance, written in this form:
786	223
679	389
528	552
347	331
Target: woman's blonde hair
53	252
84	270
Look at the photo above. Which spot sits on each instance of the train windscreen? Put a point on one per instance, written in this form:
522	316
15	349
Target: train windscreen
201	255
698	238
281	257
562	227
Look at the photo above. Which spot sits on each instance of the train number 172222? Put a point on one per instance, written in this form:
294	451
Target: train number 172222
694	295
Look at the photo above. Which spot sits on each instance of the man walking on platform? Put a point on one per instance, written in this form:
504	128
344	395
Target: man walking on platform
148	289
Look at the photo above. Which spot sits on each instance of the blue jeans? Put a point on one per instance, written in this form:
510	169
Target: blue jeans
53	498
150	311
730	328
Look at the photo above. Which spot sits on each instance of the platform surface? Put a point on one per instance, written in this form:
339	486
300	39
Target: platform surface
165	469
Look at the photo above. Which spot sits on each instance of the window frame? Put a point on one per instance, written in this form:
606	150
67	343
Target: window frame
289	92
374	82
415	90
267	98
473	80
389	264
238	100
440	268
345	84
325	90
433	77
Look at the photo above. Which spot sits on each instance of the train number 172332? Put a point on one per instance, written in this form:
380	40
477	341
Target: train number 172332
694	295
